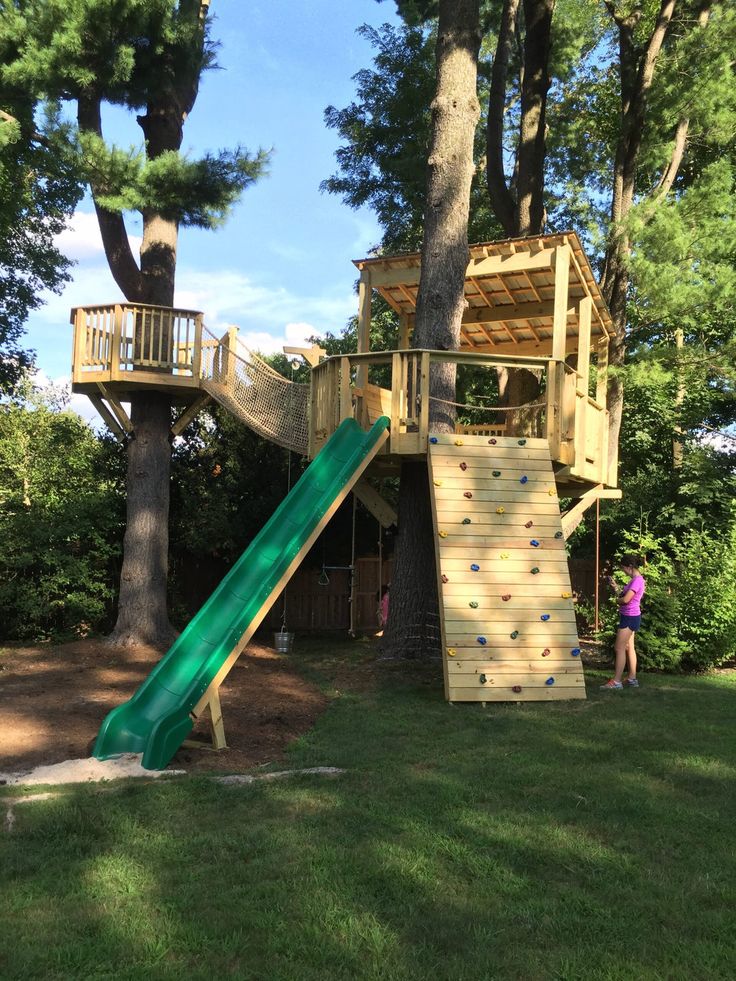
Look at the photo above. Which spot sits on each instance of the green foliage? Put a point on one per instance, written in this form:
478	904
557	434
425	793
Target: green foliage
61	512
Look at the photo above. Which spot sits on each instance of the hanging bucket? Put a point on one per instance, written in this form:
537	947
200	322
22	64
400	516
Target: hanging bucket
283	642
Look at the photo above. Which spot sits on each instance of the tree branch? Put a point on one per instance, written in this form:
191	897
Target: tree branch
115	240
502	200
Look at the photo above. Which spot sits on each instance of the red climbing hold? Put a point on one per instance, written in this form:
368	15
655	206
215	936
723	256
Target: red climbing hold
529	524
492	442
467	494
506	597
445	579
546	652
463	466
516	688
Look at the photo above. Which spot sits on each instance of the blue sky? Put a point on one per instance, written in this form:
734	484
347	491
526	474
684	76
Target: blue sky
280	268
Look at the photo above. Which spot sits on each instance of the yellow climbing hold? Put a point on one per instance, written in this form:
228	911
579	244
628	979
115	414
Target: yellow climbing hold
443	534
451	652
566	595
552	492
504	555
437	483
458	442
500	510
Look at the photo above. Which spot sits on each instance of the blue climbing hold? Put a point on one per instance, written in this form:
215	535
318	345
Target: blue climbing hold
514	634
433	439
550	681
544	616
534	543
575	652
482	679
466	521
474	568
521	442
524	479
482	641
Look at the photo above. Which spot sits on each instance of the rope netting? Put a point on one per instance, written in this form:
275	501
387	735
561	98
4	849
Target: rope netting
259	396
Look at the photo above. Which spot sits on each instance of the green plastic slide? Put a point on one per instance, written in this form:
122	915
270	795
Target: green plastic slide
157	719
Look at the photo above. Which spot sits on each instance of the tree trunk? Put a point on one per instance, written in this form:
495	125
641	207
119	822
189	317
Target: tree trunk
413	627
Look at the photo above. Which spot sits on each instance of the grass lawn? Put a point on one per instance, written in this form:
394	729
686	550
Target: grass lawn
584	840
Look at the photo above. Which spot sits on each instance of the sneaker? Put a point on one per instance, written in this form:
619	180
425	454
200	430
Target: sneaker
612	685
632	683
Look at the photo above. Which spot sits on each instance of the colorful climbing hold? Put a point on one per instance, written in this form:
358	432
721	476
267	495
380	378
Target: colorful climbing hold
552	492
451	652
467	521
575	652
474	567
496	473
437	483
458	442
492	442
445	579
433	439
529	524
534	570
473	604
550	681
558	534
504	555
545	617
514	634
482	679
467	494
463	466
482	641
516	688
566	595
500	510
443	534
524	479
521	442
534	543
506	597
546	652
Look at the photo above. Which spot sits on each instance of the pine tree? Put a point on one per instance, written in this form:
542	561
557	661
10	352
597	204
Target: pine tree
147	56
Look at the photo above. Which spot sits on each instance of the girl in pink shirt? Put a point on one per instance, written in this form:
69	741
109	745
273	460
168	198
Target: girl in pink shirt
629	608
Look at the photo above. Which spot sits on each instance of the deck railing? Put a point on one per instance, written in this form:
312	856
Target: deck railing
574	424
115	339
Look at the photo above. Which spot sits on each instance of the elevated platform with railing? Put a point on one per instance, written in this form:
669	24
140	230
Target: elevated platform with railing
531	305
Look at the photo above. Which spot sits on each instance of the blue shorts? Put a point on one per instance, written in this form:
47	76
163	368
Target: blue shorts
632	623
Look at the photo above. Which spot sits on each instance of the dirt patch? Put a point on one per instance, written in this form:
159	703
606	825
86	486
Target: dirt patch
53	699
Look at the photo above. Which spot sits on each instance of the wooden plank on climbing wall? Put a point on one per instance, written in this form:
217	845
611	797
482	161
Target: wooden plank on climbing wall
484	693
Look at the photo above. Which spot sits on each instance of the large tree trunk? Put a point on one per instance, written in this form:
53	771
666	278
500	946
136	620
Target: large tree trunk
413	627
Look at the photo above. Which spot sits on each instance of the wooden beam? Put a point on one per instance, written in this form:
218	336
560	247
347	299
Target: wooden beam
112	424
311	354
378	507
492	265
561	304
189	414
115	406
572	518
364	322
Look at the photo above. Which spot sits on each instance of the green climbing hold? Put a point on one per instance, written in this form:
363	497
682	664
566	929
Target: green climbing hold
521	442
482	679
534	570
514	634
473	604
558	534
466	521
496	473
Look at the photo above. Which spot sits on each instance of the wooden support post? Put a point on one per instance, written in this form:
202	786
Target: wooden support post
559	345
117	409
112	424
80	331
424	407
189	414
364	324
403	332
197	352
346	396
396	400
584	312
372	500
231	347
216	727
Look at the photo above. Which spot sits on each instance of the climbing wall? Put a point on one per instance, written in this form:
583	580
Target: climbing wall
508	624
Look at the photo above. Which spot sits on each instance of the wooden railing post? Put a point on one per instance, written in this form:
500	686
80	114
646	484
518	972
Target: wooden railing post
230	348
346	398
80	331
423	433
197	351
397	389
116	342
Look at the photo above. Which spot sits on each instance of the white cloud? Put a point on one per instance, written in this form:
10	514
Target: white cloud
81	240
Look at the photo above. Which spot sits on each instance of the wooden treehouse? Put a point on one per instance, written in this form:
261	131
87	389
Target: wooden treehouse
507	618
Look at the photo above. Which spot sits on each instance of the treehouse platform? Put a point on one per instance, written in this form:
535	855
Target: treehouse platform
531	304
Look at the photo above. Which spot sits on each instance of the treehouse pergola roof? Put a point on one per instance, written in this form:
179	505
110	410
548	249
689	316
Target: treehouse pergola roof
511	287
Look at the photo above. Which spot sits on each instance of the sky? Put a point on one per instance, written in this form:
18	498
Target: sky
280	269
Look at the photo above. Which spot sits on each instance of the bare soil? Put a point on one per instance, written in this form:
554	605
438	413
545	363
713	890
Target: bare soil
54	697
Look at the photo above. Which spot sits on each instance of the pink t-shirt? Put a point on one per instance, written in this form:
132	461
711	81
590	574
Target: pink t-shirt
633	607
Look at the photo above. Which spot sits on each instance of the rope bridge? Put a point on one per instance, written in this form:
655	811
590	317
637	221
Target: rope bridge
259	396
